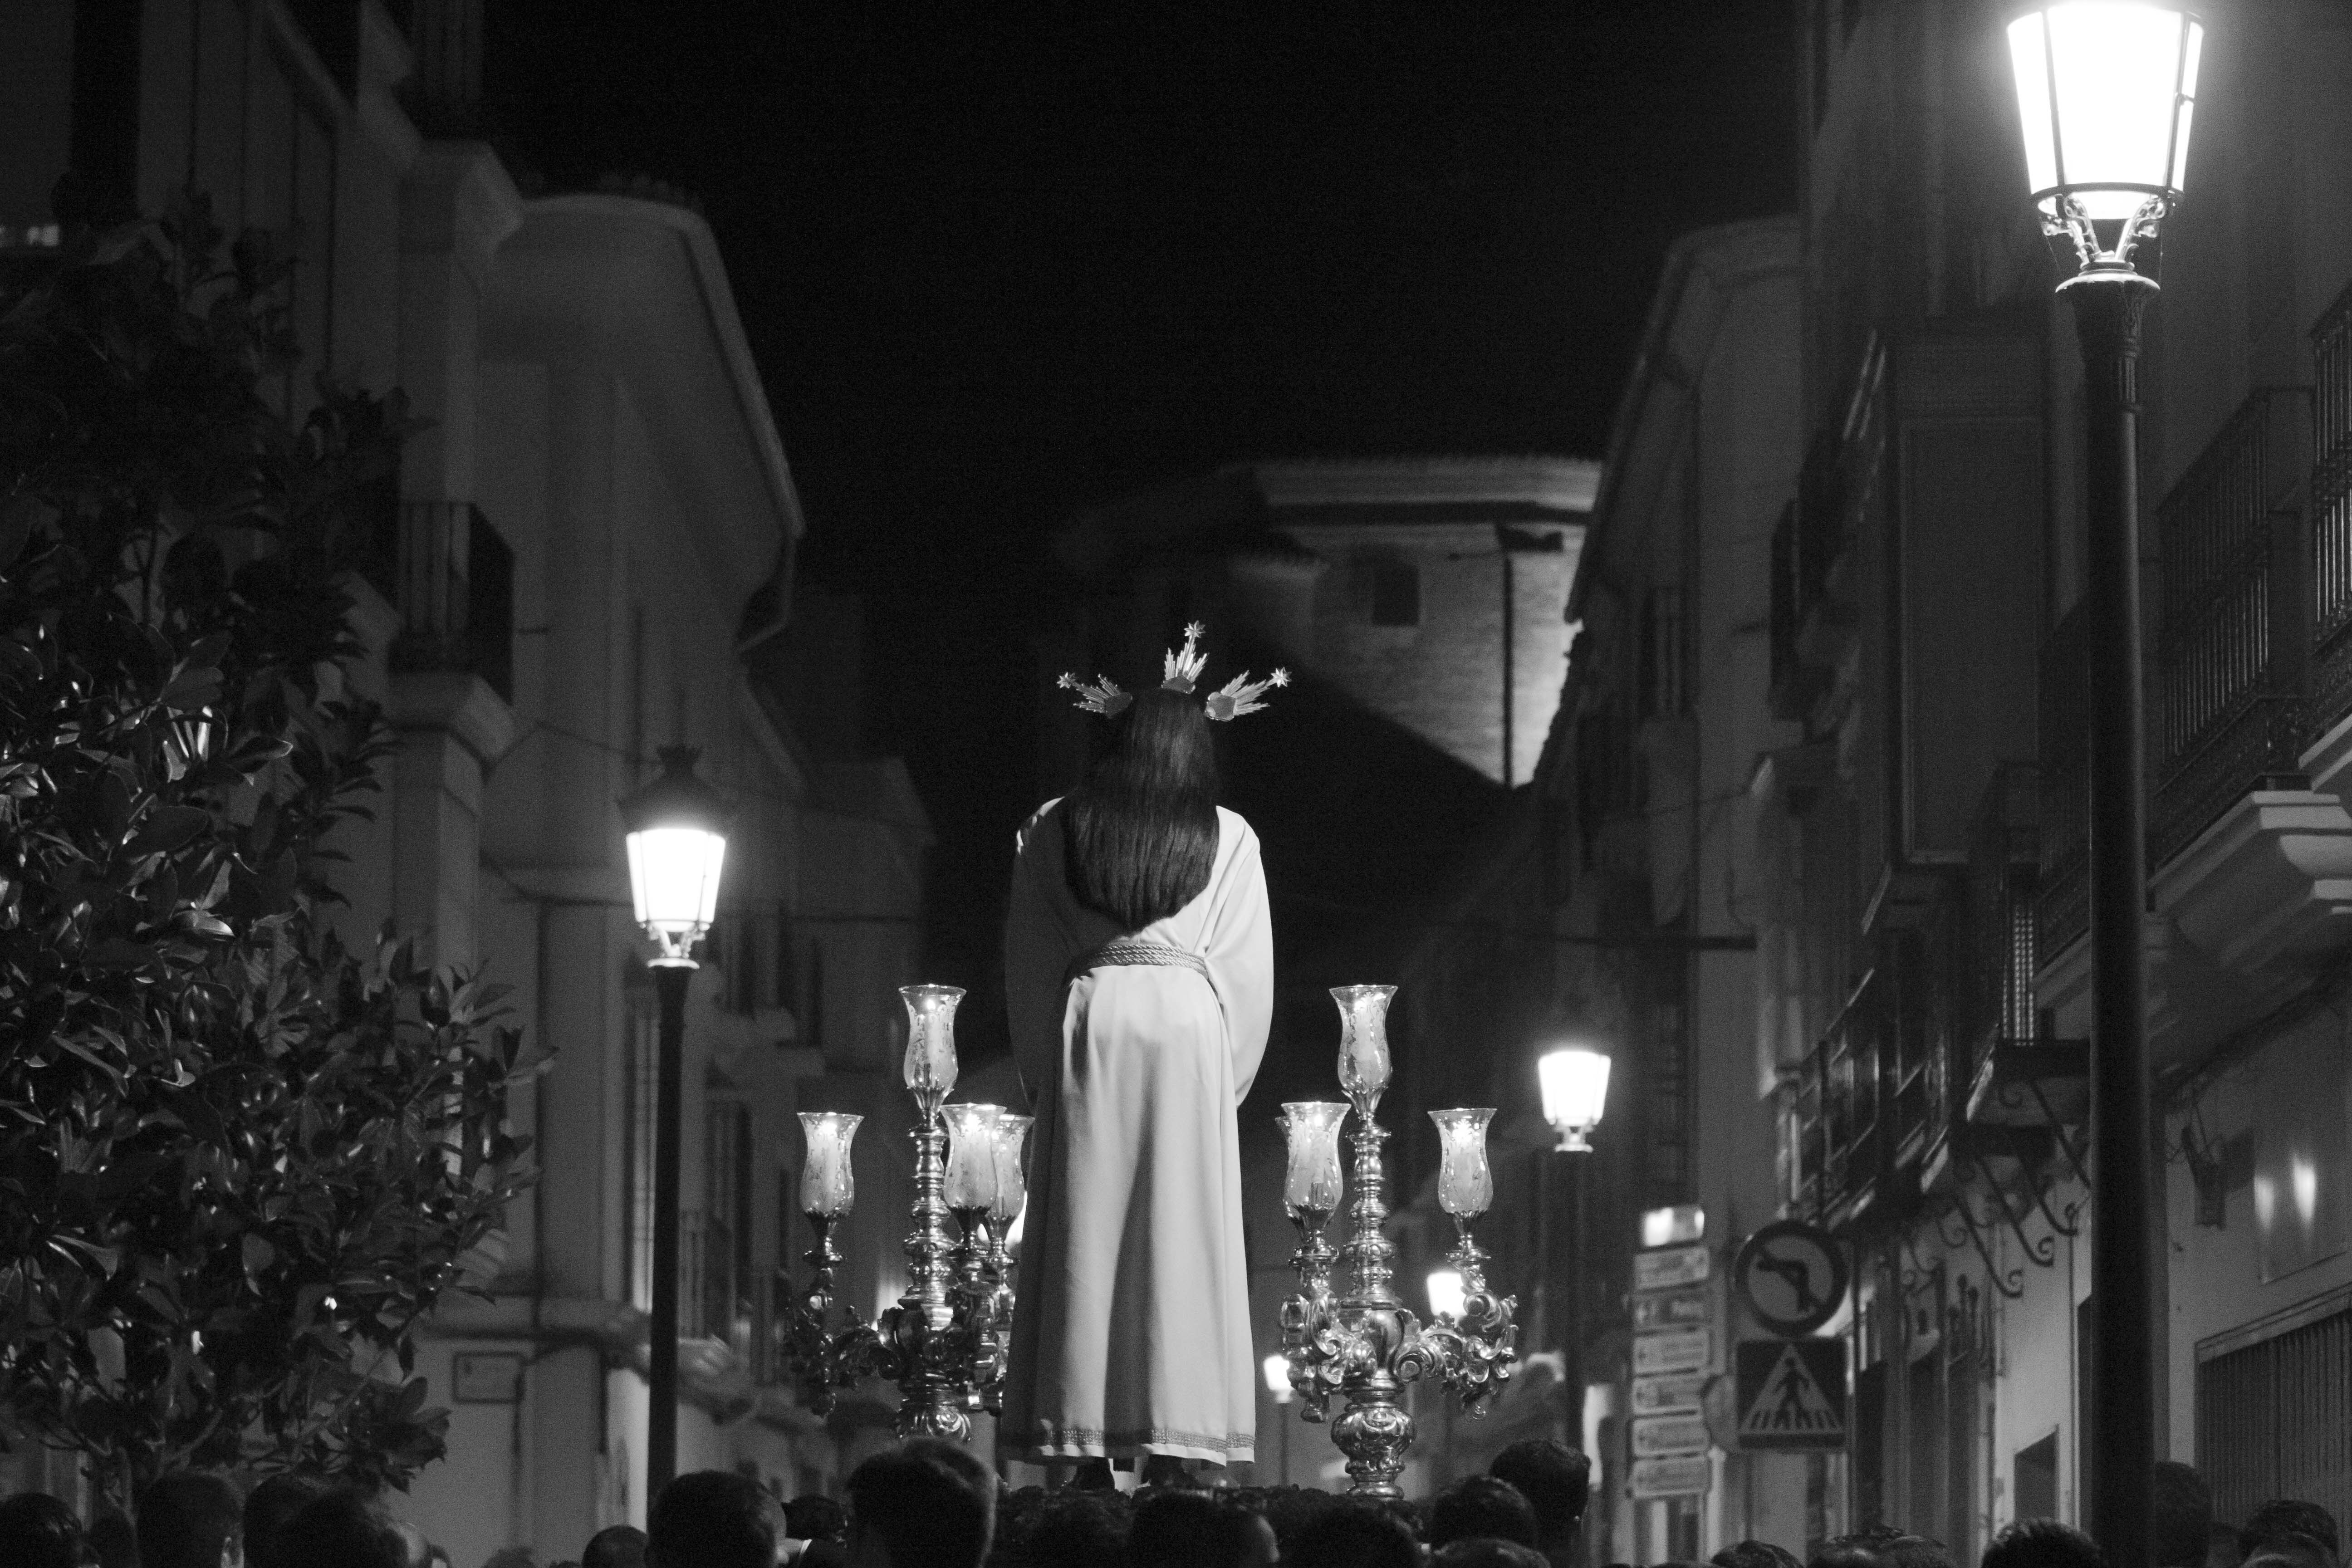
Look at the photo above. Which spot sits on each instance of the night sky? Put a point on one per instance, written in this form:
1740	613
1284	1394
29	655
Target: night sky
1000	263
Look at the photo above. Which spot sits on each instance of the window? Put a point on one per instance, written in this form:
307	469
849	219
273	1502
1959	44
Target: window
1392	591
2274	1417
726	1224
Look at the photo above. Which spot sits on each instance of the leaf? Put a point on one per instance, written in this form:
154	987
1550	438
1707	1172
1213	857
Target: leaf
117	952
258	1253
170	827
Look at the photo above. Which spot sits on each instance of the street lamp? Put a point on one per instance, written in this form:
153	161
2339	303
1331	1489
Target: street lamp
1574	1082
677	837
1276	1370
2107	92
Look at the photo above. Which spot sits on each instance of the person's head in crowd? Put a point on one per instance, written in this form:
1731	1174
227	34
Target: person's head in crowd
1484	1551
1481	1506
340	1528
273	1500
928	1502
2293	1529
1755	1554
1356	1533
2293	1550
1913	1552
511	1557
38	1530
815	1517
1555	1480
112	1540
1078	1528
1291	1509
2043	1543
2222	1547
1175	1528
615	1546
2180	1516
1843	1551
190	1520
711	1519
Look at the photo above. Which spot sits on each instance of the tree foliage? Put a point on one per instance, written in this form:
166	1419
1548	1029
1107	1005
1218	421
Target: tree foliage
238	1161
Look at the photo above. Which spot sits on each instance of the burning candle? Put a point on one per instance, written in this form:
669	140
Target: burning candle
1363	1041
930	1066
1313	1181
1465	1184
1012	1188
971	1155
828	1187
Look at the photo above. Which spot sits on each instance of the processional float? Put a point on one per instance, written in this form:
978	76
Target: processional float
944	1344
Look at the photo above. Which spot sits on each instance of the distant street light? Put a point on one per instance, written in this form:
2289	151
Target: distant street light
677	837
2106	93
1574	1082
1276	1368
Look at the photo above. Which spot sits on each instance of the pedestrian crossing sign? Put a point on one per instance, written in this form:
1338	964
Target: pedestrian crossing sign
1791	1395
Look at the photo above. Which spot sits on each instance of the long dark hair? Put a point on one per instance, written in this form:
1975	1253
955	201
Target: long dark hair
1139	836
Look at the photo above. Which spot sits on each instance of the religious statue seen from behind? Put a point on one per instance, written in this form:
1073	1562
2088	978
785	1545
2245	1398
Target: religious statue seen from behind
1139	960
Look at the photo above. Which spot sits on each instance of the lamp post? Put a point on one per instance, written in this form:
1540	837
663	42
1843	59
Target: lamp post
2106	93
1276	1371
677	837
1574	1083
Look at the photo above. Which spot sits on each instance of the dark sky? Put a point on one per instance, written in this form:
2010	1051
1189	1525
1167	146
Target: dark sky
1000	262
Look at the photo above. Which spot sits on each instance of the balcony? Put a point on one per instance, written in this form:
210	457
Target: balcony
1861	1116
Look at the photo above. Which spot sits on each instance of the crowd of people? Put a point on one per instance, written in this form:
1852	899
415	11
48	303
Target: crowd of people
931	1504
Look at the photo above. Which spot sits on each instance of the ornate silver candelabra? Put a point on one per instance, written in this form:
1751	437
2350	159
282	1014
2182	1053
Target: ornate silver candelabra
945	1342
1364	1344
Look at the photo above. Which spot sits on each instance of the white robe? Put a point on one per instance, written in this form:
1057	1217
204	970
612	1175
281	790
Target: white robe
1131	1335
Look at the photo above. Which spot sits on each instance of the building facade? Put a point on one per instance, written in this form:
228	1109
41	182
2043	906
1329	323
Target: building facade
1815	833
588	555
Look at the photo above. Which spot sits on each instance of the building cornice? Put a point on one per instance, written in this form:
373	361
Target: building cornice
1565	485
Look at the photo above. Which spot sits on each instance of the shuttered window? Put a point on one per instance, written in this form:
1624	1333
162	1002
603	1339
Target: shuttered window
2274	1416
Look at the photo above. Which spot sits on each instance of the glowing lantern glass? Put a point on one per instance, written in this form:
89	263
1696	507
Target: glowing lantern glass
2106	93
1575	1083
676	827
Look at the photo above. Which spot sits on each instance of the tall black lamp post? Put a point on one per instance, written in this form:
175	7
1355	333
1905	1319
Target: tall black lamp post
676	828
2105	91
1574	1082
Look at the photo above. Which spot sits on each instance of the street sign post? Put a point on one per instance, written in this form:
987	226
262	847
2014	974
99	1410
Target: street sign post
1684	1476
1792	1275
1791	1395
1669	1267
1664	1437
1676	1350
1670	1394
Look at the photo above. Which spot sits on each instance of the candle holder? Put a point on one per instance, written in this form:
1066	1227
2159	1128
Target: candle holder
1364	1344
943	1345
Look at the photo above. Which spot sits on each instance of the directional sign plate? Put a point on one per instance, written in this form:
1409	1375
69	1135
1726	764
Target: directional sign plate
1682	1308
1670	1268
1664	1437
1681	1477
1670	1394
1792	1275
1676	1350
1791	1395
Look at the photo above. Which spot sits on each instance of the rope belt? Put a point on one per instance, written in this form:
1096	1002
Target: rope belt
1126	953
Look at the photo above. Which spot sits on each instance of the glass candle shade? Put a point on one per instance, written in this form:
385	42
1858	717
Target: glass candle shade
1465	1185
971	1155
1363	1039
1012	1187
1313	1181
930	1066
828	1184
